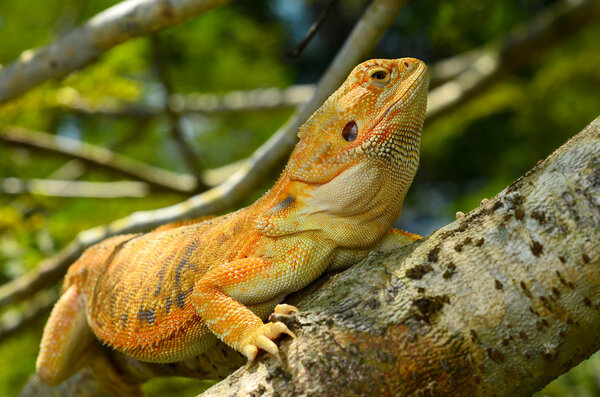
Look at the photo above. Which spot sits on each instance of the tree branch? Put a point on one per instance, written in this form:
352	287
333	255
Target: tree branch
374	22
473	72
158	178
235	101
499	302
189	154
85	44
65	188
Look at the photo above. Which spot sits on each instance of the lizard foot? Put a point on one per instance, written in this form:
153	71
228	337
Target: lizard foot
262	338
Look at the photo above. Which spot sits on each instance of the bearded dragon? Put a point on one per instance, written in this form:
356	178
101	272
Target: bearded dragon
167	295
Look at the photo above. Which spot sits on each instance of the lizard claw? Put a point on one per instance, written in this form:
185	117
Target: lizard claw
262	338
285	309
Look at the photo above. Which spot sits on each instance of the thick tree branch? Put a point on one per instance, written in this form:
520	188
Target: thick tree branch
85	44
158	178
363	38
499	302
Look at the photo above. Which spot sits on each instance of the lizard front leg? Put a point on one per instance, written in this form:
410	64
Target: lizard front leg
222	295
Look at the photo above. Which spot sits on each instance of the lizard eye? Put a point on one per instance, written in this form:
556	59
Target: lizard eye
379	75
350	131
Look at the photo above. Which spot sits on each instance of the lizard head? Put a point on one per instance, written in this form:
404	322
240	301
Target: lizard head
358	152
376	116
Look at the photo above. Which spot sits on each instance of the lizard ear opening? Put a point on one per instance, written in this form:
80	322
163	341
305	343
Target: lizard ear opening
350	131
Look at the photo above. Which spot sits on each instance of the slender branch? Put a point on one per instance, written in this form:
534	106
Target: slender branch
100	157
235	101
66	188
46	274
374	22
85	44
189	154
295	52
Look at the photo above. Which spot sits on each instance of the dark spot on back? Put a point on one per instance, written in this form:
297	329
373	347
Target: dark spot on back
539	216
473	335
147	315
525	290
498	284
168	304
184	261
556	292
519	214
449	271
495	355
181	297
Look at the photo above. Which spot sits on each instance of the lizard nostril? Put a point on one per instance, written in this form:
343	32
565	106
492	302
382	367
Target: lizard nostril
407	65
350	131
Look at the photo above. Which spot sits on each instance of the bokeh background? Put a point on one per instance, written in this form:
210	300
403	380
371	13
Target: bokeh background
468	153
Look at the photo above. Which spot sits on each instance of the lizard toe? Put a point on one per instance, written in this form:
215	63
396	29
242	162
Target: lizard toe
262	338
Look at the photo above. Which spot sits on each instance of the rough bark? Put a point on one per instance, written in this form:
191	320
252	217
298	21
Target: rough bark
497	303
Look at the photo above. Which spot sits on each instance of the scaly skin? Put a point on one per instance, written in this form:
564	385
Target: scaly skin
166	295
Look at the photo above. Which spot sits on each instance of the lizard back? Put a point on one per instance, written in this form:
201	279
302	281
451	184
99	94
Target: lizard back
137	287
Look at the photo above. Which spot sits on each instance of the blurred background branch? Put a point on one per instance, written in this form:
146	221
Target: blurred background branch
99	157
85	44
